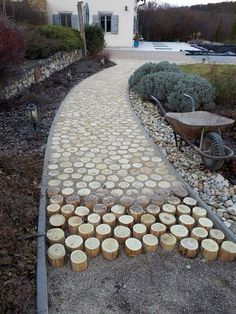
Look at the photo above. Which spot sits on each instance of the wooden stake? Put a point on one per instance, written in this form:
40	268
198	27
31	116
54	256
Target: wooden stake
169	208
56	255
92	247
109	219
79	261
94	219
118	210
73	242
148	220
86	231
136	212
57	221
73	199
179	231
173	200
227	251
139	230
167	219
103	232
67	210
90	201
82	212
110	249
53	209
108	201
179	190
216	235
187	221
150	243
142	201
168	241
209	249
199	212
73	224
158	229
189	201
55	235
157	200
183	210
121	234
133	247
153	210
100	209
57	199
126	201
205	223
126	220
67	192
52	191
188	247
199	234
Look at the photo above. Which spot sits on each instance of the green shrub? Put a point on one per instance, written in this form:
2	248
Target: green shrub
95	41
149	68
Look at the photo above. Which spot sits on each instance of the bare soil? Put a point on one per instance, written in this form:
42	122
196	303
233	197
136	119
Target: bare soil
21	164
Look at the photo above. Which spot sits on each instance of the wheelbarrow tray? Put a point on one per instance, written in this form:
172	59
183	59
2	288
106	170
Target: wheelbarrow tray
189	125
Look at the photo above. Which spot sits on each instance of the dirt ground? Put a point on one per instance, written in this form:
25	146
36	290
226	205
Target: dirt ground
21	163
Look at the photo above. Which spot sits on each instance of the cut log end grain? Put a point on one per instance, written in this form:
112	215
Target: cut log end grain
90	201
216	235
205	223
179	231
53	191
79	261
56	255
67	192
189	201
73	200
169	208
126	220
139	230
158	229
199	234
136	212
94	219
183	210
227	251
100	209
57	221
92	247
173	200
153	210
67	210
157	200
179	190
187	221
148	220
73	242
55	235
126	201
150	243
86	230
209	249
167	219
110	249
199	212
121	234
109	219
73	224
142	201
108	201
103	232
82	211
53	209
118	210
57	199
133	247
168	241
188	247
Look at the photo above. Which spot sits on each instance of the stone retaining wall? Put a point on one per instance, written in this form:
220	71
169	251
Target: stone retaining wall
38	71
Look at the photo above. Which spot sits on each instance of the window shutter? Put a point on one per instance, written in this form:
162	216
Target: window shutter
74	22
56	19
114	24
95	19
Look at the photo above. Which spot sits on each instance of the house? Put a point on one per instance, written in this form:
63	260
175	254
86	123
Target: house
117	17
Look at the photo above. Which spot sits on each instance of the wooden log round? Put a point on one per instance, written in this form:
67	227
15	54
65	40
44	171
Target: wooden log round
148	220
199	212
173	200
56	255
94	219
73	224
92	247
121	234
109	219
179	231
157	200
103	232
153	210
142	201
199	234
67	192
158	229
100	209
86	231
205	223
126	220
90	201
179	190
82	212
187	221
110	249
150	243
73	242
57	199
227	251
209	249
53	209
133	247
57	221
118	210
168	241
167	219
169	208
126	201
189	201
73	199
79	261
188	247
139	230
67	210
108	201
51	191
136	212
183	210
55	235
216	235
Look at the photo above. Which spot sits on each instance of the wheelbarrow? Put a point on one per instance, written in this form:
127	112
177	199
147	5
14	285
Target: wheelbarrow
202	131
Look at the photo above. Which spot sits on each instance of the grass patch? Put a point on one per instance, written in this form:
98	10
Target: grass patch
204	70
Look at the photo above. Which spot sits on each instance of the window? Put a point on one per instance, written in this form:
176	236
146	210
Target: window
66	20
105	21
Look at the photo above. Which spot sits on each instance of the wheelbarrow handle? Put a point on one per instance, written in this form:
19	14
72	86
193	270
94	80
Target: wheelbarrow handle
159	106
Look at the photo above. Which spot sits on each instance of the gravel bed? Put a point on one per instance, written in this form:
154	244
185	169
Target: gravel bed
212	187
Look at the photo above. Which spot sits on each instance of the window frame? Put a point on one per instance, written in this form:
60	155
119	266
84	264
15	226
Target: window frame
66	15
105	15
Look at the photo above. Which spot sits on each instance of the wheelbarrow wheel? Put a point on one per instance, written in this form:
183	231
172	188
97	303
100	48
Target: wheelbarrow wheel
213	145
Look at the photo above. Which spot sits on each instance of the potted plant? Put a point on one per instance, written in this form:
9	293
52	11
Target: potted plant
136	40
